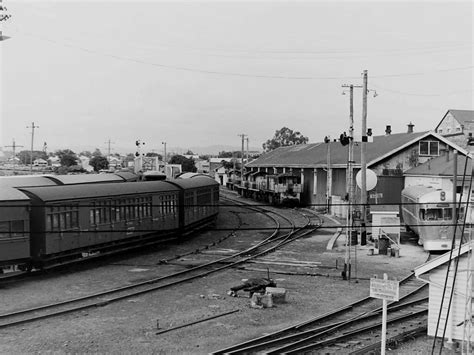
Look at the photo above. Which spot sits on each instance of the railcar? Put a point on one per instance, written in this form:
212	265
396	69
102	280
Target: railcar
428	212
14	228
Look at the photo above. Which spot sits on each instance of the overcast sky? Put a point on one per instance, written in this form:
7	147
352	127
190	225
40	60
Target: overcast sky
200	73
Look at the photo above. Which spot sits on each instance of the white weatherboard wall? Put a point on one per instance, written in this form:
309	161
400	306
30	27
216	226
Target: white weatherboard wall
437	277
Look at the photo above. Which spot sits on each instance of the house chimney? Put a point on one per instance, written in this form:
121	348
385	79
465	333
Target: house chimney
410	127
388	130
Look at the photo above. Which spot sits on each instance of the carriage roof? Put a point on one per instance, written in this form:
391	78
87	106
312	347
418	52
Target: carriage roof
91	191
427	194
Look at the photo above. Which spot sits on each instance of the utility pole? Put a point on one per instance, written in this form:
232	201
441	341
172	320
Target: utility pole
327	140
32	139
108	148
350	178
242	160
247	153
164	156
14	146
363	152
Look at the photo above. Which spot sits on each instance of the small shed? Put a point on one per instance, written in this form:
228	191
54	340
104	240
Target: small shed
386	222
434	272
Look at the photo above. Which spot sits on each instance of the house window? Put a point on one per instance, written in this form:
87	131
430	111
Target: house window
429	148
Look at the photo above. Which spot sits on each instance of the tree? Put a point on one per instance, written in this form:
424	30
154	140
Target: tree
189	152
235	154
153	154
66	157
284	137
97	153
99	163
187	165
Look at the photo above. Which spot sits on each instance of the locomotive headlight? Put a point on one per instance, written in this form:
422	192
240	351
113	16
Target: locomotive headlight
442	195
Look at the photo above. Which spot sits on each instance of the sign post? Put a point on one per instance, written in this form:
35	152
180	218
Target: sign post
387	290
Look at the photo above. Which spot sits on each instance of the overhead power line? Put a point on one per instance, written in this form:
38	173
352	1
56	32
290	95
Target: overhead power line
235	74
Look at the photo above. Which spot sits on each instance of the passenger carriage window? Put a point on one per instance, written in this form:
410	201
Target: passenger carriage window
75	219
17	228
55	225
4	229
62	221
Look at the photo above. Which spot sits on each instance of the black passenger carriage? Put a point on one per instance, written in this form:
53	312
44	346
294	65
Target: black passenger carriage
69	220
200	200
14	227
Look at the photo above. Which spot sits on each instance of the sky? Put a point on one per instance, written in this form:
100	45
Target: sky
195	74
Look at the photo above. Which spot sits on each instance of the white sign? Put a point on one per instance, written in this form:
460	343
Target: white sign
376	195
384	289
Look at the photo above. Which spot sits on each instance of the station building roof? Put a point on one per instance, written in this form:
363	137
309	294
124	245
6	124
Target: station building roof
314	155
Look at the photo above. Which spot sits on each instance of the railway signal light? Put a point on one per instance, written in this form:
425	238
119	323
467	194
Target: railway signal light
442	195
344	139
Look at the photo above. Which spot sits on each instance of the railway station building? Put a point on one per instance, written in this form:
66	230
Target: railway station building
312	172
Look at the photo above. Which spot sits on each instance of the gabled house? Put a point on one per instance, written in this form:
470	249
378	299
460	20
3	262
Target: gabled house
458	127
458	283
389	156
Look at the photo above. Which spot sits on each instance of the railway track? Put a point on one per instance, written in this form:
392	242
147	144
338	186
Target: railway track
276	240
352	329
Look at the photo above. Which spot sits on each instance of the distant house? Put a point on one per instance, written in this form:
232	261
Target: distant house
84	163
441	283
220	175
458	127
216	163
40	162
54	161
389	156
202	166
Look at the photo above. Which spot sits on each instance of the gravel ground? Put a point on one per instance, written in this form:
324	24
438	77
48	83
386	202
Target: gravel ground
130	326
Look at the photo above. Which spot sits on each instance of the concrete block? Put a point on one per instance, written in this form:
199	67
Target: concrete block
261	301
278	294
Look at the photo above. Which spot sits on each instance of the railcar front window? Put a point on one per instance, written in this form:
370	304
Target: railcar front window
434	214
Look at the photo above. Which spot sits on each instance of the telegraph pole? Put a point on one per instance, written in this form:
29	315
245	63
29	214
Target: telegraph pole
108	147
363	152
242	160
32	139
350	176
247	153
14	152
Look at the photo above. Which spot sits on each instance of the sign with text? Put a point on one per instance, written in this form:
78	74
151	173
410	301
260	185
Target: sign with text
384	289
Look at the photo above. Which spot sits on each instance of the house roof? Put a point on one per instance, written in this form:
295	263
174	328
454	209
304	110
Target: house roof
461	116
315	155
442	166
442	259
